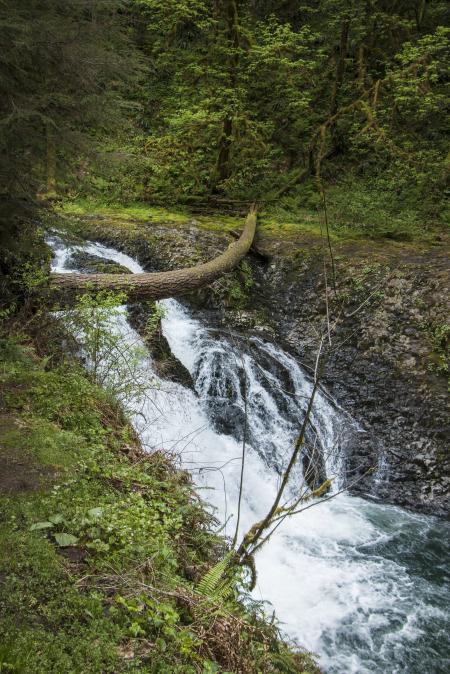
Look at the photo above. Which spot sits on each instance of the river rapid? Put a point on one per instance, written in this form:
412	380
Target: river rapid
361	584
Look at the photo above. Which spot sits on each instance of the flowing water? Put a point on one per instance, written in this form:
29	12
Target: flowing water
361	584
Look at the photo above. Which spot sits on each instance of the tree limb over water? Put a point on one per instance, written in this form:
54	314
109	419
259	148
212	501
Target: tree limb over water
159	285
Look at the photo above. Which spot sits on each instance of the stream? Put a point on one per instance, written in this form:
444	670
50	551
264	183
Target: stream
359	583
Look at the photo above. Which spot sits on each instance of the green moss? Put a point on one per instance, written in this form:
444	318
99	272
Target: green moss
279	221
140	212
46	442
284	220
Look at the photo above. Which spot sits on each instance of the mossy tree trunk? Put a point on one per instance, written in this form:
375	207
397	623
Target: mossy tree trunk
232	37
159	285
51	162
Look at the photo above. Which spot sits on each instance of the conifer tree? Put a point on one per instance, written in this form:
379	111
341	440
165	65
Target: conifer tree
61	65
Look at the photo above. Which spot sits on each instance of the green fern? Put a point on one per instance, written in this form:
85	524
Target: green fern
284	662
215	583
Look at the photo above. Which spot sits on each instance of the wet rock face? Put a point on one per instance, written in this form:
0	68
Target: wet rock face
94	264
223	394
165	363
387	368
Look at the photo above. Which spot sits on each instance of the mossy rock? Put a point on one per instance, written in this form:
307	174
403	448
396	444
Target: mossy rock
86	263
165	363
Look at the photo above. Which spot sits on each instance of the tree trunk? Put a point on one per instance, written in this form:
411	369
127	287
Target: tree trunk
420	13
361	67
336	140
340	66
51	163
232	22
223	161
159	285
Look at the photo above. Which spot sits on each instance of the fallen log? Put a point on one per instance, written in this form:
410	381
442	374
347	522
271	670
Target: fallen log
257	252
157	285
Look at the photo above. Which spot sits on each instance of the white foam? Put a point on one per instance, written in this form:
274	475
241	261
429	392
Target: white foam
62	254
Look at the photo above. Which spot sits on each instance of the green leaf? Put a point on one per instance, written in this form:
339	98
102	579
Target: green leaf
161	644
210	667
64	540
213	583
95	512
136	629
56	519
41	525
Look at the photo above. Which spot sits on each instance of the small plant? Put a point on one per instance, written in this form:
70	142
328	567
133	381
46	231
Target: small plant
240	286
30	276
439	336
113	359
219	581
153	323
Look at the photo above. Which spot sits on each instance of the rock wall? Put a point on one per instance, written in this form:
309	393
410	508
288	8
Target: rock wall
388	368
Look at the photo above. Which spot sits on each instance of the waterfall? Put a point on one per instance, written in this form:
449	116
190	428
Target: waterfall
359	583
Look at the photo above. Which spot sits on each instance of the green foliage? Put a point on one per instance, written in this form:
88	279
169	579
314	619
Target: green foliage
154	320
63	395
24	258
134	211
97	556
48	443
263	79
439	336
238	285
115	365
63	66
144	617
218	583
202	77
375	210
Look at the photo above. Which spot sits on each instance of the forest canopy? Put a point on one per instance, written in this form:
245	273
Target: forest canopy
225	101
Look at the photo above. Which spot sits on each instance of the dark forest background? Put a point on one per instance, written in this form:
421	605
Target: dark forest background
223	102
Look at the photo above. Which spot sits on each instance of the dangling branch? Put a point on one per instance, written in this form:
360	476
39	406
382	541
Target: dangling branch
244	441
252	537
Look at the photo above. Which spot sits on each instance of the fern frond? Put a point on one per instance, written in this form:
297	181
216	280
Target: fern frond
210	585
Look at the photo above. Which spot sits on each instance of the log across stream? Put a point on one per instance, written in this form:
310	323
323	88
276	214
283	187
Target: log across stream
157	285
361	584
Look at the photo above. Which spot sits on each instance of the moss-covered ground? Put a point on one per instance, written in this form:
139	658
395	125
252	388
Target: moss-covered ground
101	545
354	214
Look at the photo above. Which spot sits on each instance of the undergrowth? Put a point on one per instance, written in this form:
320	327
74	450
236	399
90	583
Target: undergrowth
358	208
103	547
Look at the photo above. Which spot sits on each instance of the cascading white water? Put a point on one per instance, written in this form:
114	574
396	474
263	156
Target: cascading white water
356	582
